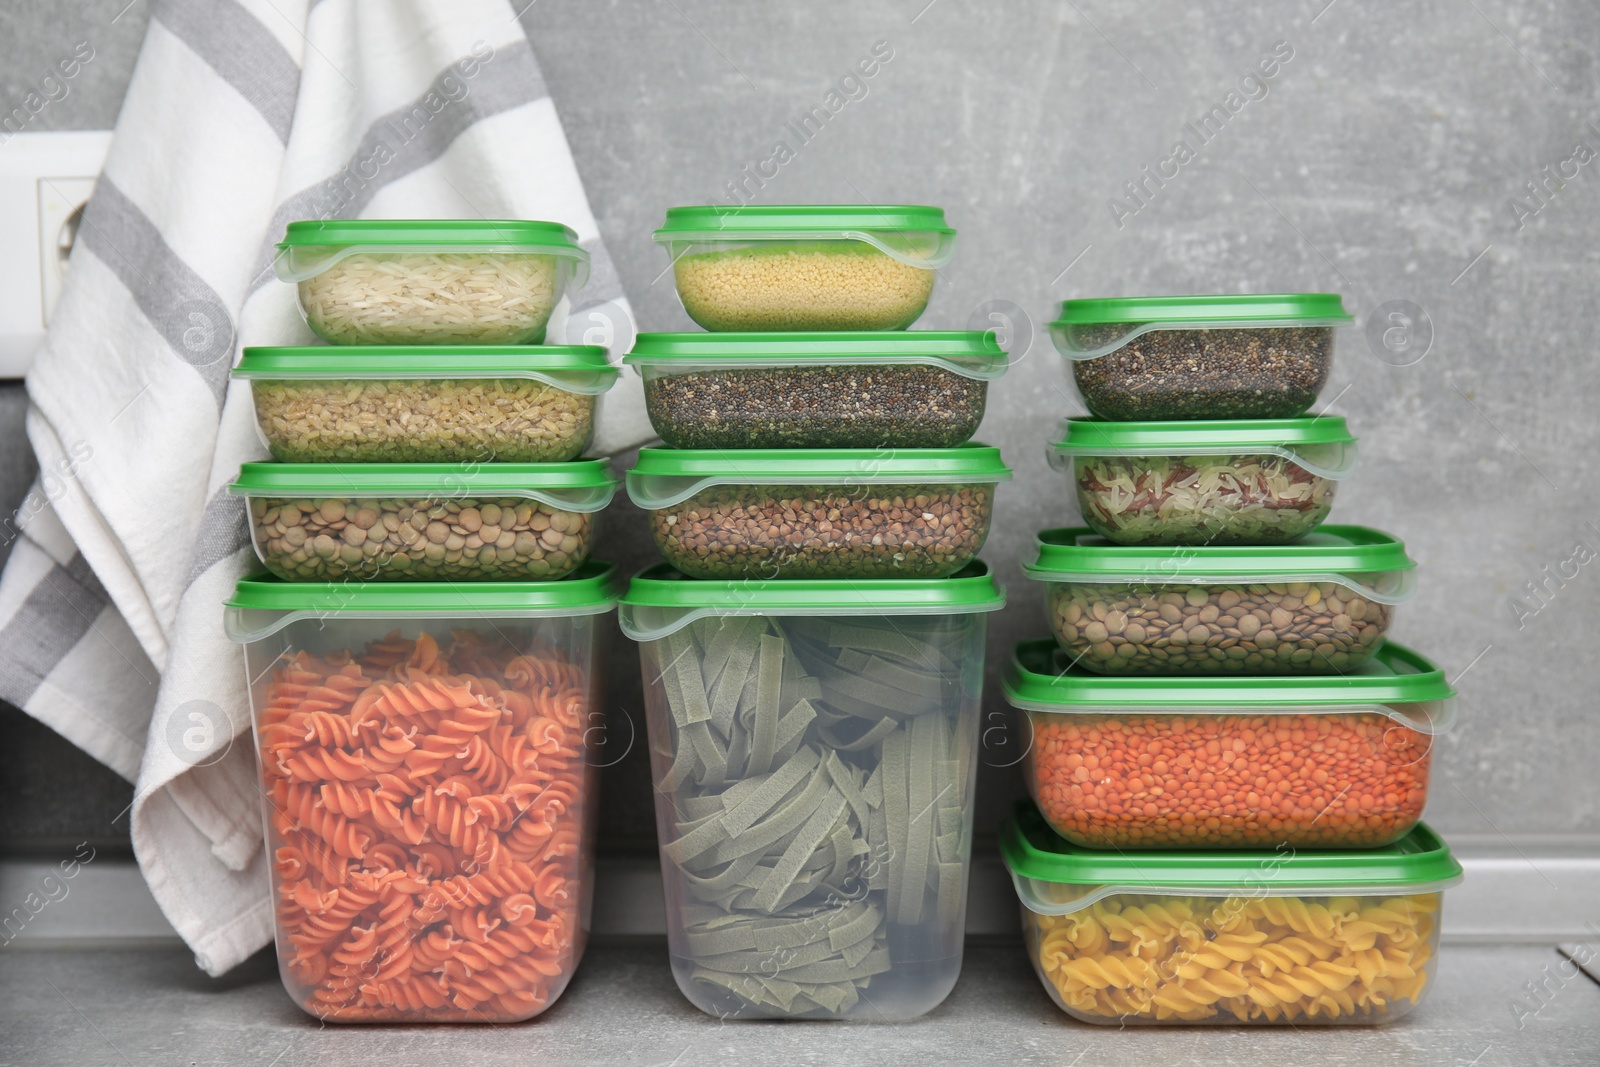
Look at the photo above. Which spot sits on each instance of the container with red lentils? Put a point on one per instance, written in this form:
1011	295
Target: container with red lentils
1317	761
1320	605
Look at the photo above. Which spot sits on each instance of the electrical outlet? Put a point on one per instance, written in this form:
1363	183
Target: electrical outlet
45	179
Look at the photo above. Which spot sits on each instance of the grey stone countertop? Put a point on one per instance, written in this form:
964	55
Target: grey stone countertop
151	1006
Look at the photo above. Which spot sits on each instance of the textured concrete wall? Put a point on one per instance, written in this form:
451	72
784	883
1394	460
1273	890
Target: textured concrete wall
1379	161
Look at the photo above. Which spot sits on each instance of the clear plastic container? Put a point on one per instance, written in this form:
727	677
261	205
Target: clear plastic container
1193	938
424	521
430	281
428	790
823	513
890	389
427	404
806	266
813	746
1200	357
1324	761
1321	605
1253	482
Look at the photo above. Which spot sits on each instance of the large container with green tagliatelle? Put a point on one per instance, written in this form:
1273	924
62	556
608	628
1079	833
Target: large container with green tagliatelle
813	745
1241	482
818	513
426	403
1181	938
430	281
806	266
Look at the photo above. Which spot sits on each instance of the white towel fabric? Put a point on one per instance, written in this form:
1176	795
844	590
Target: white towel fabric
242	116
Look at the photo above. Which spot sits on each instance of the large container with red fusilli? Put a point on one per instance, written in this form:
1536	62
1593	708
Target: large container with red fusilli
428	756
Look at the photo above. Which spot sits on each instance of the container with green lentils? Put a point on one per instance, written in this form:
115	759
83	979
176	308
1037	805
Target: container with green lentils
1322	605
426	403
806	266
1200	357
818	513
423	521
885	389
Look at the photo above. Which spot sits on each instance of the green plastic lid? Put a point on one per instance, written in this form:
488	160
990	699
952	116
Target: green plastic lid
663	477
1322	444
1371	561
973	353
660	600
314	245
911	233
1303	309
1418	862
261	604
581	485
1040	678
575	368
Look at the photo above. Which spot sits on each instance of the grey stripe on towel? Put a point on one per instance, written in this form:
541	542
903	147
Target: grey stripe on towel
222	533
56	614
242	51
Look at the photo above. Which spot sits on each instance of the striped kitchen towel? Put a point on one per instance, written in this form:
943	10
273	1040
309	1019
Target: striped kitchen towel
242	116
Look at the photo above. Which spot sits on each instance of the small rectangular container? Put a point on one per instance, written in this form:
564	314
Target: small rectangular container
428	757
1253	482
1324	761
818	513
1160	358
1321	605
430	281
806	266
424	521
1230	938
813	745
426	404
888	389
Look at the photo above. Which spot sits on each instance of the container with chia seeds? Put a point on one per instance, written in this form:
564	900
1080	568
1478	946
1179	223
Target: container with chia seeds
806	266
818	513
1259	481
884	389
1200	357
1321	605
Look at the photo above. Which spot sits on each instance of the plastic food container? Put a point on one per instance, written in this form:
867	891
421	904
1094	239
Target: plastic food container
813	746
1327	761
424	521
428	789
1321	605
914	389
1261	481
1200	357
430	281
806	266
432	404
824	513
1185	938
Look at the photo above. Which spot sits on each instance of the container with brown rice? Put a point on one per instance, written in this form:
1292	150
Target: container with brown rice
430	281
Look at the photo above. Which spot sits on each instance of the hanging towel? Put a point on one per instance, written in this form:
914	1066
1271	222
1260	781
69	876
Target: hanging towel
242	116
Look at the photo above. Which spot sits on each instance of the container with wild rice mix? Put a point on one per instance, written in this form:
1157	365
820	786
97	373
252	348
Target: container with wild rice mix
1321	605
426	403
806	266
1200	357
882	389
1312	761
818	513
1260	481
430	281
424	521
813	745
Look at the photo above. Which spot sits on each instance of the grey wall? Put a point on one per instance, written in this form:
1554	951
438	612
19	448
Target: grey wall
1379	164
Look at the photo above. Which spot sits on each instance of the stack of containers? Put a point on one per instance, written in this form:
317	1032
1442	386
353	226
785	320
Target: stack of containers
1228	761
421	683
813	648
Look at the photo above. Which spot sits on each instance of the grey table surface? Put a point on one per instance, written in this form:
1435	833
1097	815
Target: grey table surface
151	1006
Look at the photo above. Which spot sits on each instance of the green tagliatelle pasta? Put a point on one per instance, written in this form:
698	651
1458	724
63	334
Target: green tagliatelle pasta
817	795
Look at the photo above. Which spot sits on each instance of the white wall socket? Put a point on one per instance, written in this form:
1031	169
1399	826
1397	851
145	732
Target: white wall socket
45	179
